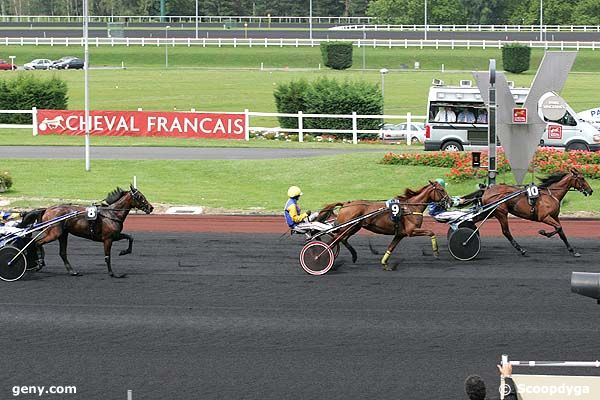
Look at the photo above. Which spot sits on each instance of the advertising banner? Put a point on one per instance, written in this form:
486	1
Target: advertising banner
144	123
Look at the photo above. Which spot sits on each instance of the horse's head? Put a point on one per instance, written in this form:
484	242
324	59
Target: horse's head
577	181
139	200
437	193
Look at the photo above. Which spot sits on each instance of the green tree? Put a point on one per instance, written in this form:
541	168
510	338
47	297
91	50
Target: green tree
587	12
397	11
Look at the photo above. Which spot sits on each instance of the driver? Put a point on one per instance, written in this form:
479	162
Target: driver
439	210
9	222
292	212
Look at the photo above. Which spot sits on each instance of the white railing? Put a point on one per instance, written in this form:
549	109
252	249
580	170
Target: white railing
171	19
269	42
354	117
32	126
265	20
354	131
468	28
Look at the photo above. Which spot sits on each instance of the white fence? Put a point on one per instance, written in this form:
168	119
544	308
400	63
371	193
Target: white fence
265	20
354	131
267	42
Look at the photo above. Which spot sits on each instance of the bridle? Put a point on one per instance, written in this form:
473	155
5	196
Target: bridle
138	201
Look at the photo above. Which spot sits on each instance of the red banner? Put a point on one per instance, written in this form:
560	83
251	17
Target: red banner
143	123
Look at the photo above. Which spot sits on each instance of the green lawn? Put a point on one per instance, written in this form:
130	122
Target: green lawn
258	186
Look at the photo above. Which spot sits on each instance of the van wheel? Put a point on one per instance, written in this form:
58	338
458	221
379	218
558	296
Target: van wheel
577	146
452	146
415	140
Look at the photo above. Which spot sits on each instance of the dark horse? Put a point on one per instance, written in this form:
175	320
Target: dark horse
106	227
412	203
546	209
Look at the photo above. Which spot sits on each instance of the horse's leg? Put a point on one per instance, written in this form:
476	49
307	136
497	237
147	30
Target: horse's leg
107	248
344	240
503	219
431	234
388	253
129	247
63	240
555	223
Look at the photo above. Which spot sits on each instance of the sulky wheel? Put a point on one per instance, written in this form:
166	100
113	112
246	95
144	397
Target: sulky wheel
12	264
316	258
327	239
464	244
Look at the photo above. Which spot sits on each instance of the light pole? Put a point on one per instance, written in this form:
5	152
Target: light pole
541	20
167	46
196	19
86	61
383	71
425	19
364	45
310	20
245	30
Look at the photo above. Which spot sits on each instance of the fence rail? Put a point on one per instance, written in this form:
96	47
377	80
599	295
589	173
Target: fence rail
358	23
269	42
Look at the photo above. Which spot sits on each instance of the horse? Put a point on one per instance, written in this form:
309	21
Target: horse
546	208
412	204
106	227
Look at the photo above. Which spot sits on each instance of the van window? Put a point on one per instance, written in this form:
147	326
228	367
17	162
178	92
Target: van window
566	120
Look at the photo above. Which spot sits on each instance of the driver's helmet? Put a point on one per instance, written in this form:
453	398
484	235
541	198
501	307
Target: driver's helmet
441	182
294	191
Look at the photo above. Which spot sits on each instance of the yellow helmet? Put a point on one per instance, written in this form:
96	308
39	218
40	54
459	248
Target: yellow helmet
294	191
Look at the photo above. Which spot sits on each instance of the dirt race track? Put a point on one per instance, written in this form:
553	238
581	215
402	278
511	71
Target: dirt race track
230	315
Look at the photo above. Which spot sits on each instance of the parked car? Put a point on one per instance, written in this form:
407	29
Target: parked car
7	66
416	133
38	63
68	62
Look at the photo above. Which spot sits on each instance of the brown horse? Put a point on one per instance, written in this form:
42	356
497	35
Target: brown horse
412	203
106	227
546	209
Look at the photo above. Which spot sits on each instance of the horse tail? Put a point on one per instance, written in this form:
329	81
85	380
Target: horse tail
31	217
473	198
327	211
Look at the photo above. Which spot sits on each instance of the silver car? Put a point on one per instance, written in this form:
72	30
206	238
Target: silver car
38	63
416	132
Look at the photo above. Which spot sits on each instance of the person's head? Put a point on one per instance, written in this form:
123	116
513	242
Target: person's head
294	192
441	182
475	387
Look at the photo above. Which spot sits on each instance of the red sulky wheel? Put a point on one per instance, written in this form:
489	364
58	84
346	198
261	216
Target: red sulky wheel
316	258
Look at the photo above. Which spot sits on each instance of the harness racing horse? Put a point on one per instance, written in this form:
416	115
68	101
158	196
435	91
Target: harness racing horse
546	209
412	204
106	227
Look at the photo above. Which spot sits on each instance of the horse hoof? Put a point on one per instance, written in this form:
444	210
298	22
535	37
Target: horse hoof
354	260
118	276
576	255
123	252
76	274
542	232
524	253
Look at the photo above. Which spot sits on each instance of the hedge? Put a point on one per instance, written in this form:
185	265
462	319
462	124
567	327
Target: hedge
337	55
27	91
516	58
329	96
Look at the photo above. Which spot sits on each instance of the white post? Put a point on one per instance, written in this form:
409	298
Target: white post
408	126
541	19
300	127
247	124
34	120
196	19
86	61
354	128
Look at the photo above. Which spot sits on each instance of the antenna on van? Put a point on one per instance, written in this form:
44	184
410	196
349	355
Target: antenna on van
437	82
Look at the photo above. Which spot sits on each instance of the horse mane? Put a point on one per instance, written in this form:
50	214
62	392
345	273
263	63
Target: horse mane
408	193
555	177
115	195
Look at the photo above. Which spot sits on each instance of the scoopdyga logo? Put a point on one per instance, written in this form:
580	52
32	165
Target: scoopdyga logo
52	123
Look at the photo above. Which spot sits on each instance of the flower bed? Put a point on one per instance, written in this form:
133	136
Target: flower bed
546	160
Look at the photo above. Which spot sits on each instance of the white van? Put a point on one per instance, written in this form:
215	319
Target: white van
457	121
